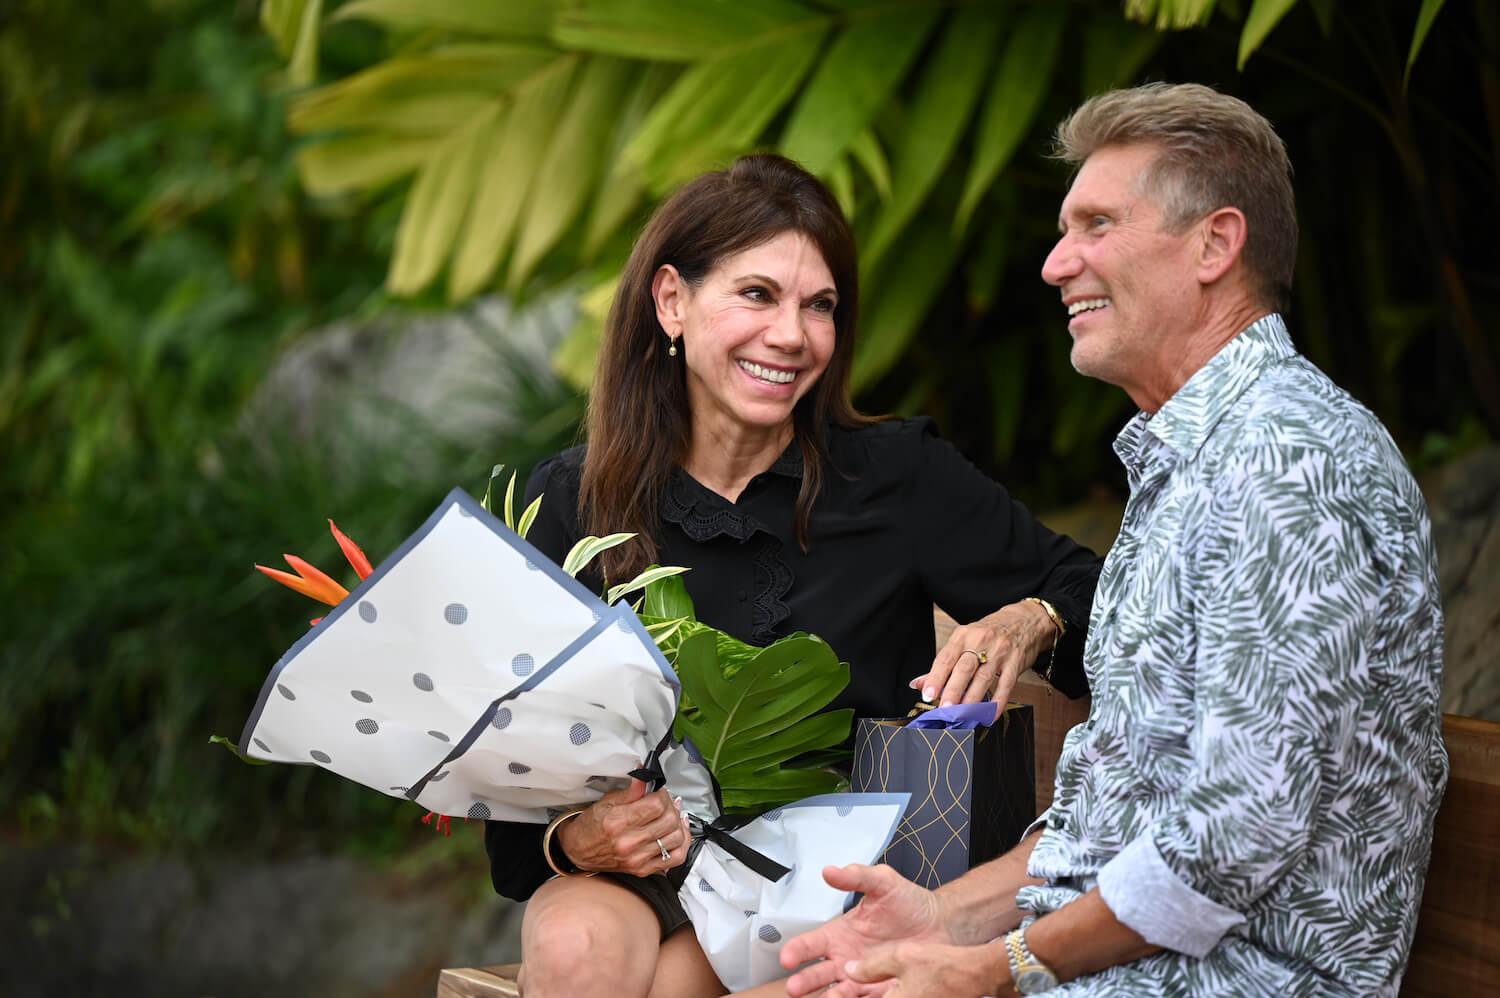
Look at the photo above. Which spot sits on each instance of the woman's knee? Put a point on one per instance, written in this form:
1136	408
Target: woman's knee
573	943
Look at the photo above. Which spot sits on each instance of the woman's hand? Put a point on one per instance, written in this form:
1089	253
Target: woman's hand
1009	639
627	831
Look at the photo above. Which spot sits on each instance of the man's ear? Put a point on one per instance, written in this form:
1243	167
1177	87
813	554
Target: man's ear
1223	240
670	293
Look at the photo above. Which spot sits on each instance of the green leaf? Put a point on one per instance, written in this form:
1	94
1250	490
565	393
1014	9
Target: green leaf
282	20
589	548
751	725
673	30
720	107
867	152
1022	80
854	79
1263	16
1005	371
571	162
641	581
923	259
1425	17
623	186
359	162
528	517
433	93
489	487
439	201
302	69
668	597
506	175
231	746
1170	14
510	502
840	182
1114	50
483	17
940	111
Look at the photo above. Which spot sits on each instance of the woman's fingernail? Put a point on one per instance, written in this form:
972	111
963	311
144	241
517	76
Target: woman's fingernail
929	693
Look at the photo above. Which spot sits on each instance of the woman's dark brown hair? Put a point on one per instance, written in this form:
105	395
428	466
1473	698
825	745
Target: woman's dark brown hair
639	424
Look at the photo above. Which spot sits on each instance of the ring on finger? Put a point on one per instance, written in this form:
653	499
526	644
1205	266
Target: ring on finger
665	854
977	653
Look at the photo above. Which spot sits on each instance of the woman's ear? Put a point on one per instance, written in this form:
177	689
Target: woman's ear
670	294
1224	234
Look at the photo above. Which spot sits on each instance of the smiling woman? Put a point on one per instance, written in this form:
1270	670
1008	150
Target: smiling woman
720	431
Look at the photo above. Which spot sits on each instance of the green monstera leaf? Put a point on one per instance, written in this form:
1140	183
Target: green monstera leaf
752	726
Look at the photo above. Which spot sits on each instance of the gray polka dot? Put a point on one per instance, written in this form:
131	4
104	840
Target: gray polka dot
261	745
438	735
532	565
480	812
523	664
749	914
769	934
705	886
367	611
320	756
439	777
844	810
361	696
502	719
366	726
455	613
579	733
518	768
624	624
422	681
285	692
773	815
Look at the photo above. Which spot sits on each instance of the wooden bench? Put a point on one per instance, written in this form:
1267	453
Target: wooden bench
1457	947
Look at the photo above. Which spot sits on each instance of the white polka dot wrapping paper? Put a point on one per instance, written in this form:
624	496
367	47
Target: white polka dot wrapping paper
472	675
742	919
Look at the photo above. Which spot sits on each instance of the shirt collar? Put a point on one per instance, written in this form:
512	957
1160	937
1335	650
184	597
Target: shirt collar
1189	416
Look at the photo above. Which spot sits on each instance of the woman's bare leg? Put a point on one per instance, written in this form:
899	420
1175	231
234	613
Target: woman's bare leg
588	936
682	971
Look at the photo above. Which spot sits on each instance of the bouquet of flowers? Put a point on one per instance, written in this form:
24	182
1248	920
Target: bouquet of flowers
470	674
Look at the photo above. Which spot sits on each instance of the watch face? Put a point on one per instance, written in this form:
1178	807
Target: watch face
1032	981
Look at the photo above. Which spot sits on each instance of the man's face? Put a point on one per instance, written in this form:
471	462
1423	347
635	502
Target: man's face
1130	287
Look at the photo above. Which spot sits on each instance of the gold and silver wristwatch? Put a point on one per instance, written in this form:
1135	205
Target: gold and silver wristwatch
1031	976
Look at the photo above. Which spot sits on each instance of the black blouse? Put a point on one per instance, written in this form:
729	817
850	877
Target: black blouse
903	522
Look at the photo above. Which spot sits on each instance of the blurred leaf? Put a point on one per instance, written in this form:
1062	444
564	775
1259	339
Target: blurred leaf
283	21
353	163
507	170
1005	373
571	163
1114	50
1264	15
1425	17
840	181
940	111
1170	14
912	276
674	30
853	79
439	204
623	187
483	17
1023	78
721	106
302	68
865	148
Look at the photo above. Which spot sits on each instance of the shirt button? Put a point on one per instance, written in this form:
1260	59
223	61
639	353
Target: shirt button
740	596
1058	821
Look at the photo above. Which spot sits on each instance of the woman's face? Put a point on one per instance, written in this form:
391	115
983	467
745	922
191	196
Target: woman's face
755	335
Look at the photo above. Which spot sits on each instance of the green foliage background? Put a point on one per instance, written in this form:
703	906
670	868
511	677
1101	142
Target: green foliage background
190	186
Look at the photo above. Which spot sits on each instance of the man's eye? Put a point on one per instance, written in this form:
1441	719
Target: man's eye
1098	221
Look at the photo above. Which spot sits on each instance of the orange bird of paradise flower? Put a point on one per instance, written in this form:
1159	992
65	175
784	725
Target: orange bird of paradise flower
314	583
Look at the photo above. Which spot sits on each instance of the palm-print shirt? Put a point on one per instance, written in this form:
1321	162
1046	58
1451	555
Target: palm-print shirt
1255	786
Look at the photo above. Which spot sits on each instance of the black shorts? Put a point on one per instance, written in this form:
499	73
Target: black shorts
658	892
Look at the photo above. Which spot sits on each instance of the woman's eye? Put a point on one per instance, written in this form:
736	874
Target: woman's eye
824	305
756	294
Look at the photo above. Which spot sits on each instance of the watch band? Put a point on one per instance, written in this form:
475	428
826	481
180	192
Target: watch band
1030	975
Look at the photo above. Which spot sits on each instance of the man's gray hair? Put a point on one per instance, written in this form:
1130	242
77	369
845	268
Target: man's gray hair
1213	151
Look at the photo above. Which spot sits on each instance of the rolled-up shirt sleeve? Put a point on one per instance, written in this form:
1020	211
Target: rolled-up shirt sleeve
1289	590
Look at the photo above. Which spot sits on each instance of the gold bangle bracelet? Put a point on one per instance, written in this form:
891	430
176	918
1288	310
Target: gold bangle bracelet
552	827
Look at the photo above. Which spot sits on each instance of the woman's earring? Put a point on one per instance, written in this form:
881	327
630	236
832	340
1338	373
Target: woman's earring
672	350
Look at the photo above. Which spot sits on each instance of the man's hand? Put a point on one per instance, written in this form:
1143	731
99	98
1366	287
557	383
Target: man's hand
892	909
931	970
